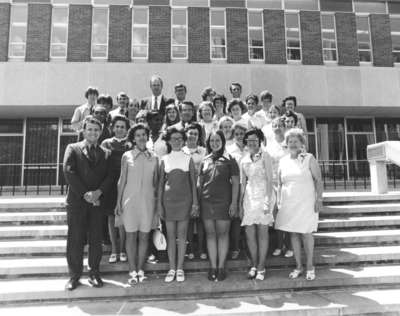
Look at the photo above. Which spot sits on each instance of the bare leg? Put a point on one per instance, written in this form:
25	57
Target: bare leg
171	243
296	244
251	235
209	226
143	245
131	250
222	228
201	236
308	242
263	242
112	230
181	230
190	235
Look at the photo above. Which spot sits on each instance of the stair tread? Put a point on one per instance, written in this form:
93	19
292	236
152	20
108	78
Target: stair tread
33	228
360	233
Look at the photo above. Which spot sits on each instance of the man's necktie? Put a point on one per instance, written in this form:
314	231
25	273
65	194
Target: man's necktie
155	104
92	153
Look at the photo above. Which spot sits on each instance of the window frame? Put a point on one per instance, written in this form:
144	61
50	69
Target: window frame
332	14
92	44
225	34
10	44
397	33
249	28
137	25
365	15
186	31
52	30
293	61
298	10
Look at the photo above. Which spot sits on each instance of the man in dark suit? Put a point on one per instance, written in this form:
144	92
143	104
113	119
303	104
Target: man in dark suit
99	113
87	171
156	102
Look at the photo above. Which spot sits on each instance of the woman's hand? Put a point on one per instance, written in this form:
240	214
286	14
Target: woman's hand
318	205
195	212
233	210
118	209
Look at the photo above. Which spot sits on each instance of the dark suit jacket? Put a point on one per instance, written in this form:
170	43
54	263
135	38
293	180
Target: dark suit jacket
145	104
84	175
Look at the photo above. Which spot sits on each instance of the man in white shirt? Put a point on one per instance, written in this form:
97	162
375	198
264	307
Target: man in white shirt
85	109
157	102
180	94
262	115
122	109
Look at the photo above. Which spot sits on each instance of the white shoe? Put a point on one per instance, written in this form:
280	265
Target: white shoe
260	275
123	257
277	252
180	276
289	254
133	278
170	276
140	276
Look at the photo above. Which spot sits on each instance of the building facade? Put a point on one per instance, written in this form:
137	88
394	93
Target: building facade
339	57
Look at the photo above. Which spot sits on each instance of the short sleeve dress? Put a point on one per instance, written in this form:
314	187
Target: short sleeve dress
177	198
216	190
296	213
138	200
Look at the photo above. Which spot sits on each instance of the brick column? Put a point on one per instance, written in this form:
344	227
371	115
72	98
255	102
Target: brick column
346	38
199	35
120	33
274	37
4	30
159	34
311	43
381	40
237	36
38	32
79	33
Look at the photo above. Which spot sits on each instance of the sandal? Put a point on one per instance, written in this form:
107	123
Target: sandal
203	256
260	275
191	256
295	273
133	278
113	258
170	276
140	276
252	273
123	257
310	275
180	275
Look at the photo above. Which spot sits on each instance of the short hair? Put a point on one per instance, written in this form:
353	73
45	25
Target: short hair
121	94
105	98
253	97
91	120
190	103
168	133
197	126
234	102
180	85
221	135
265	95
204	104
152	114
291	114
274	106
235	84
124	119
254	131
295	132
290	98
206	92
134	128
91	90
221	98
99	106
223	119
156	78
240	125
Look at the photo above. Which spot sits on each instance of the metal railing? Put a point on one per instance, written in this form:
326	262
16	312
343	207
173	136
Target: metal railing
48	179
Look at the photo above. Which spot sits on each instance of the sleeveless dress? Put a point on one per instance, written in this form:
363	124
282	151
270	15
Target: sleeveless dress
138	199
255	194
296	213
177	197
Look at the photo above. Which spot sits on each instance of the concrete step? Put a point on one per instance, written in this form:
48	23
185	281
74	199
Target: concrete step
335	302
32	217
31	203
32	231
359	221
196	285
358	237
335	197
346	209
47	265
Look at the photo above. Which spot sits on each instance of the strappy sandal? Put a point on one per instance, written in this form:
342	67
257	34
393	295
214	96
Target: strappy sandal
170	276
140	276
133	278
180	276
260	275
252	273
295	273
310	275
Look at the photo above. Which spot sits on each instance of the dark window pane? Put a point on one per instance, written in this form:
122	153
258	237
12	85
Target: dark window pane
387	129
394	7
11	149
359	125
256	53
11	126
64	141
310	125
66	126
336	5
40	175
311	144
331	141
10	175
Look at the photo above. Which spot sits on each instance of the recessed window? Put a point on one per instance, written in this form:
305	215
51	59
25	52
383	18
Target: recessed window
336	5
140	30
218	36
395	31
18	27
256	35
192	3
301	4
100	32
262	4
328	37
293	43
179	33
369	6
364	38
59	32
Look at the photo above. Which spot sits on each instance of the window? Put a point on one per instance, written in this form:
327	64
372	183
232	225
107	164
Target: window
365	6
140	30
293	45
387	129
179	33
59	32
311	137
336	5
100	32
328	37
262	4
67	136
363	38
18	26
218	37
193	3
393	7
256	35
301	4
395	31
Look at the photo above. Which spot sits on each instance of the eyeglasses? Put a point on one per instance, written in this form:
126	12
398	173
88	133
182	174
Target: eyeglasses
176	139
100	112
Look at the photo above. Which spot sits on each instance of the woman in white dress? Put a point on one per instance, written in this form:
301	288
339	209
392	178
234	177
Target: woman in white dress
257	201
299	200
225	124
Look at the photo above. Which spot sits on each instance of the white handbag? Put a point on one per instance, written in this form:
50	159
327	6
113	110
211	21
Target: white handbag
159	240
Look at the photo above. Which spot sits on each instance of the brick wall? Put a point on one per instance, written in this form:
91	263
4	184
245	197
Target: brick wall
4	30
79	33
381	40
199	35
120	30
159	34
346	38
274	37
38	32
237	36
311	44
